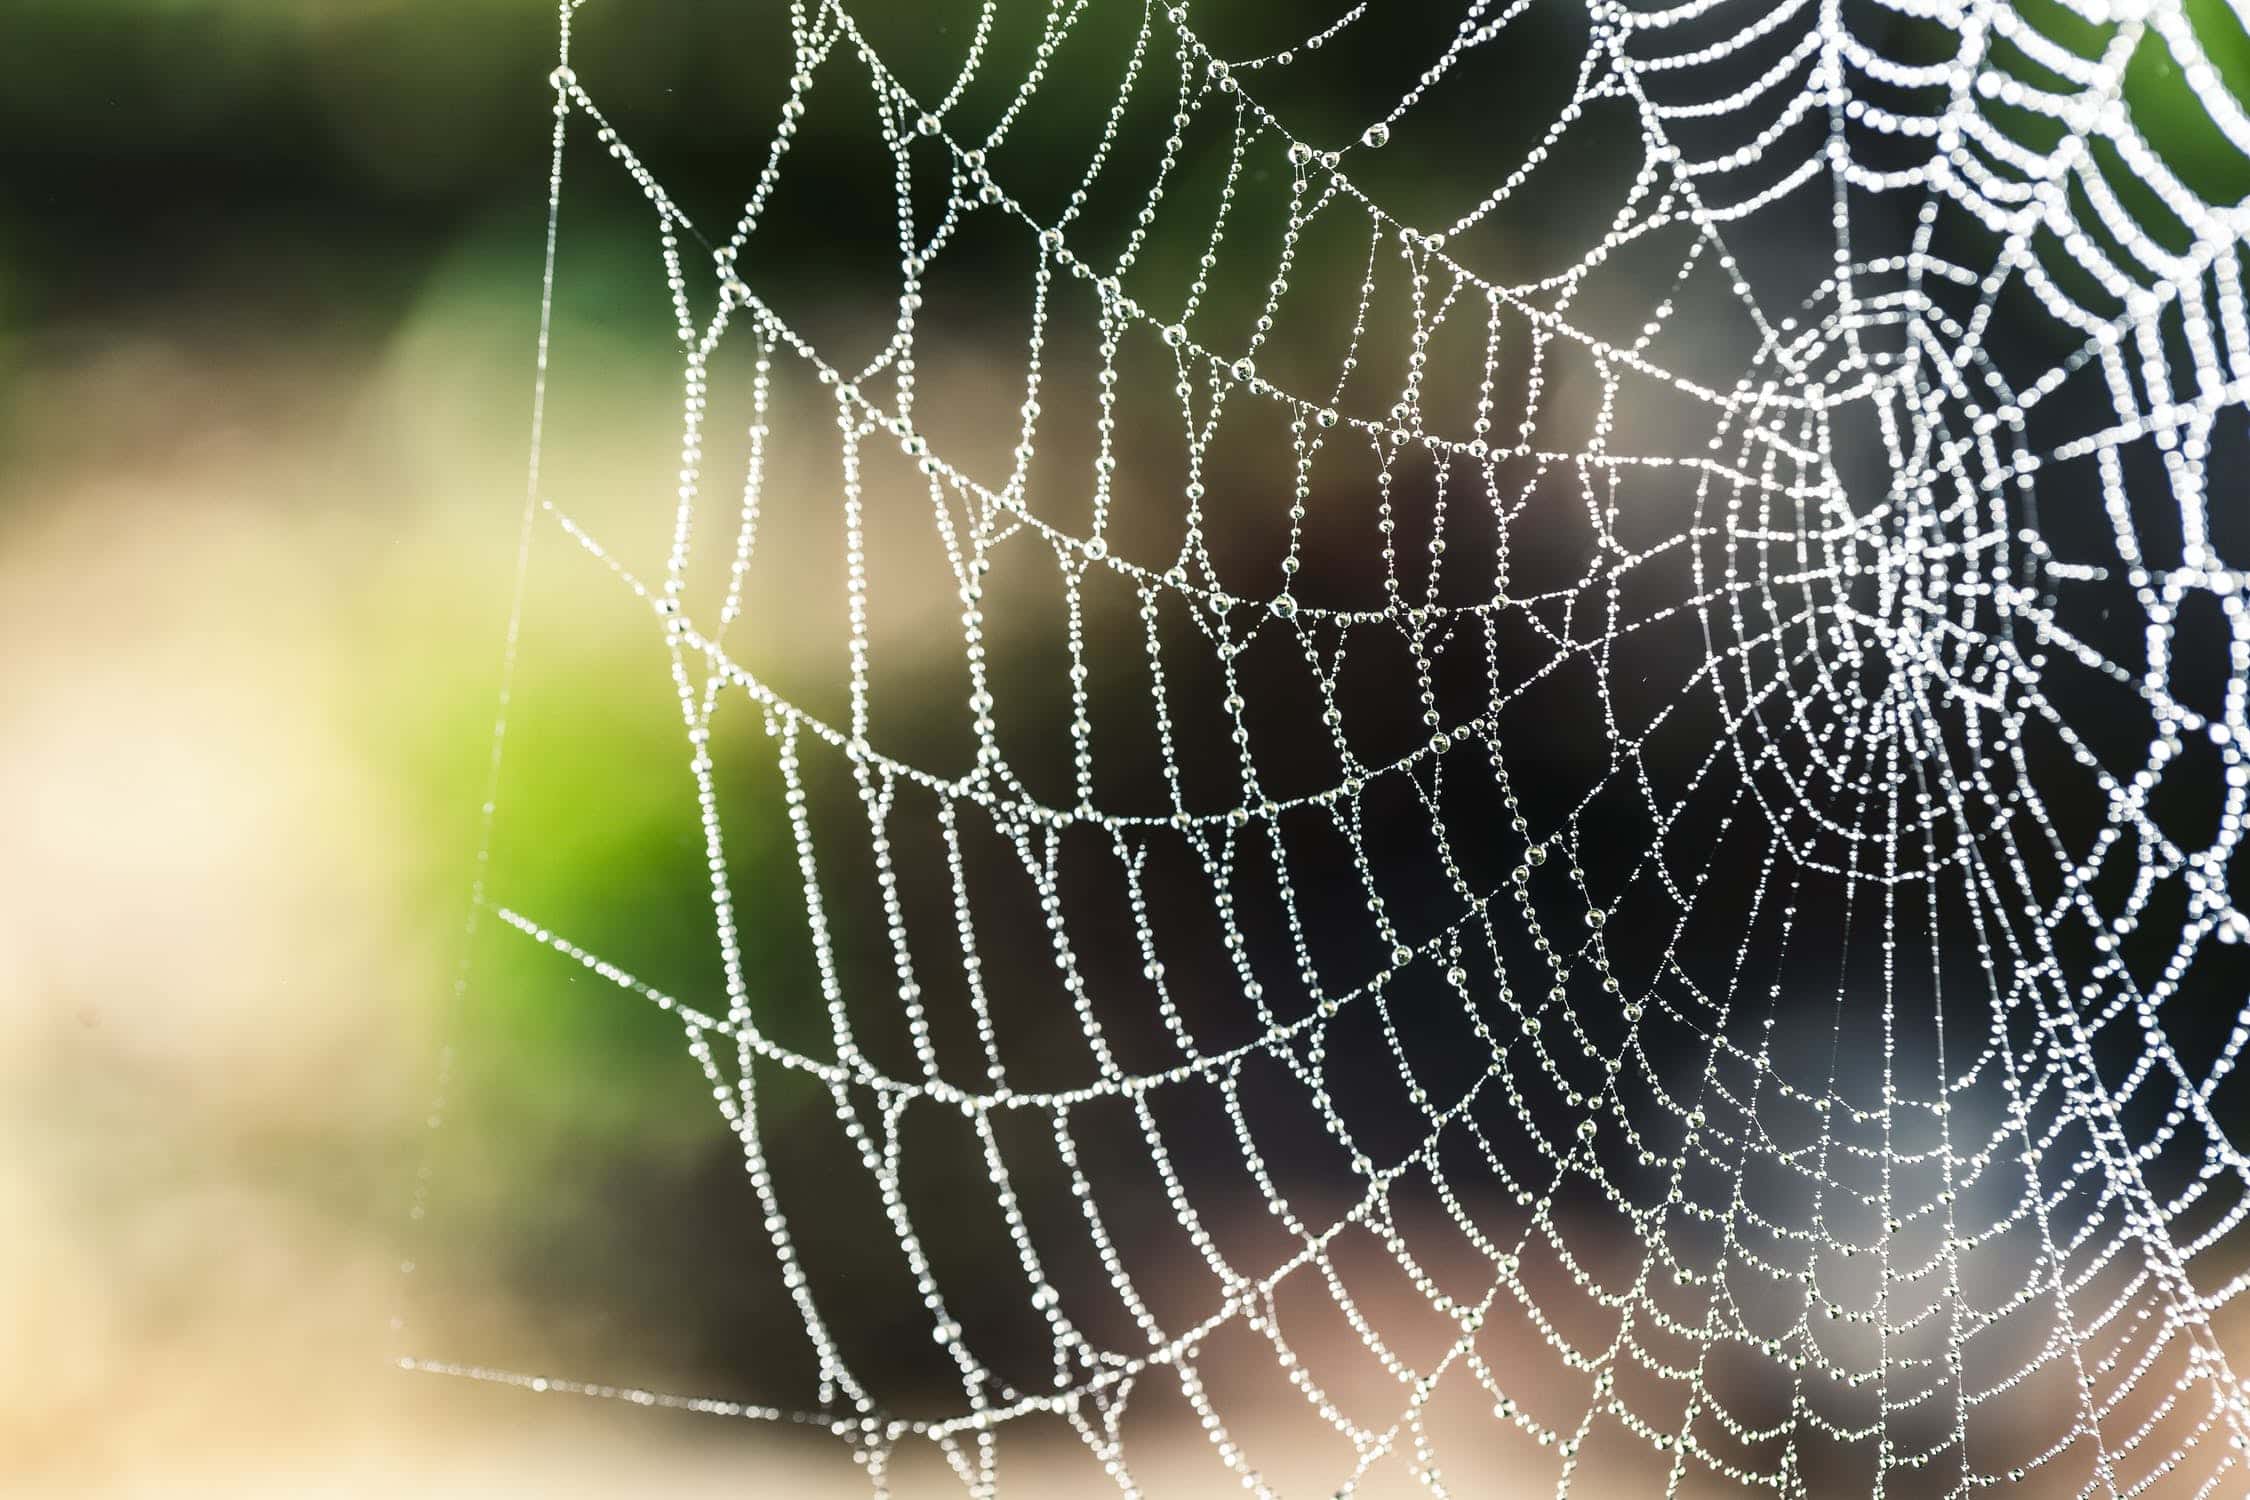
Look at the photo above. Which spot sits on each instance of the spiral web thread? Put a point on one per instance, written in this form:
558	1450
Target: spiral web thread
1897	696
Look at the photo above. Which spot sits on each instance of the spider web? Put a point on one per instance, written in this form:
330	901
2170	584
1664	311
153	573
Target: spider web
1643	844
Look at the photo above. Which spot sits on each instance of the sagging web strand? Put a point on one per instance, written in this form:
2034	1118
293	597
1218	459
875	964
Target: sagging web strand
1881	679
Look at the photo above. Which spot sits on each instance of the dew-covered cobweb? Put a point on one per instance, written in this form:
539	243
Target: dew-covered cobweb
1392	847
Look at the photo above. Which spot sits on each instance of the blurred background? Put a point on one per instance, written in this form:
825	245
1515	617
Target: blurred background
269	288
